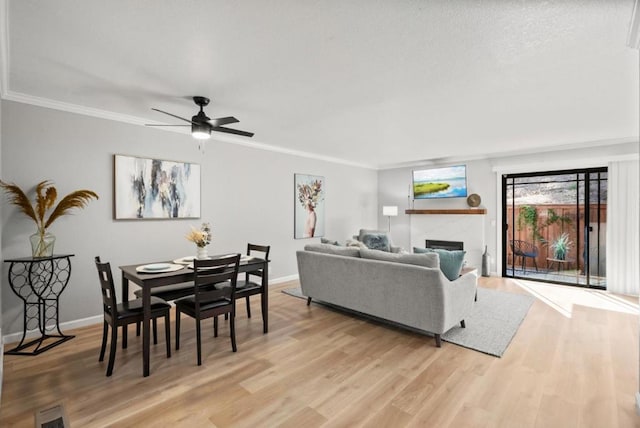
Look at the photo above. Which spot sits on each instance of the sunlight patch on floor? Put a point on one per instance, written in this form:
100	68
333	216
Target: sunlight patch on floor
562	298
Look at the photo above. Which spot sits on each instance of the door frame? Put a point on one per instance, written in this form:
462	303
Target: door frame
502	230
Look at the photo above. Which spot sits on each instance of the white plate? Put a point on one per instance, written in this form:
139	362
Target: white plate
185	260
157	266
168	267
190	266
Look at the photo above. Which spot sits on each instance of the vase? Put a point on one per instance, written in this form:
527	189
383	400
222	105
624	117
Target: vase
42	244
202	253
486	262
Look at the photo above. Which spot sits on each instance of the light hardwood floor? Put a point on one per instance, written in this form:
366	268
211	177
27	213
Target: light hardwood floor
319	367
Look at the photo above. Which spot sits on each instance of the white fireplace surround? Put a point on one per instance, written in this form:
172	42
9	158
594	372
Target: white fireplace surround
451	227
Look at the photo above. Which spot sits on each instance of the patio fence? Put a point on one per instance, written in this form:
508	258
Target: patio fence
548	233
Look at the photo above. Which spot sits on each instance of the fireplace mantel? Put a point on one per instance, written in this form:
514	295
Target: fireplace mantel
480	211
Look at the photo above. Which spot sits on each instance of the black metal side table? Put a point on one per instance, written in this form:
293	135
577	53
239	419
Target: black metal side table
39	282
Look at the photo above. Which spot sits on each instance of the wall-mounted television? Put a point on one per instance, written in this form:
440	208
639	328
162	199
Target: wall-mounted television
444	182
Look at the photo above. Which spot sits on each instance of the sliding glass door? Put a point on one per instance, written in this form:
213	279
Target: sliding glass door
554	226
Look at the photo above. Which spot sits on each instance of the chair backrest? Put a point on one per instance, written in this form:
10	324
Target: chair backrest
252	249
107	288
213	271
520	248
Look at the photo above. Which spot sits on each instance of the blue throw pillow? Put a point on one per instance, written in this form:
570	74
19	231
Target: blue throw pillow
377	241
450	261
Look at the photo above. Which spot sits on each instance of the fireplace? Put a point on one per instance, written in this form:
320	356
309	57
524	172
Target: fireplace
444	245
466	230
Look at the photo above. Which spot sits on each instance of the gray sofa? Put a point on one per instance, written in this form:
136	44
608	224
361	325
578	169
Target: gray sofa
408	289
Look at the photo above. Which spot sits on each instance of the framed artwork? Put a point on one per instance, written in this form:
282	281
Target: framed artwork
155	189
309	206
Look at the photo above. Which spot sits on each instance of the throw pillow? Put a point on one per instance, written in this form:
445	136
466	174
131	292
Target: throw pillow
355	243
450	261
425	260
328	241
418	250
377	241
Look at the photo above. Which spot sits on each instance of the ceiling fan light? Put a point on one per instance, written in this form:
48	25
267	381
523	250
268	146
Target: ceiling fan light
200	132
199	135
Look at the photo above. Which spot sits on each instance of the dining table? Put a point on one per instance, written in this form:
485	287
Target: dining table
178	273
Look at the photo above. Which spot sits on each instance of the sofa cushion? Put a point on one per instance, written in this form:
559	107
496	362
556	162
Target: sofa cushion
450	261
377	241
333	249
426	260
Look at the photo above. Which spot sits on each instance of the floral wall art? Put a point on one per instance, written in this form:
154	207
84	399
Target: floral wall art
309	206
155	189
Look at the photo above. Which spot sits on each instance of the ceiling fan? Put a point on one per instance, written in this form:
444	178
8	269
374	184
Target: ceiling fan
201	125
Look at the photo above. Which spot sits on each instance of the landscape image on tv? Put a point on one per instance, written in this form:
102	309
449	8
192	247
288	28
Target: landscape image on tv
447	182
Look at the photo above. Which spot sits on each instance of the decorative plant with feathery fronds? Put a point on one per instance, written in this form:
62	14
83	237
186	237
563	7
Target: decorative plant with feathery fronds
201	237
46	195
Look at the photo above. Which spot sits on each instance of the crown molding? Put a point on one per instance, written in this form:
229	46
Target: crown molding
71	108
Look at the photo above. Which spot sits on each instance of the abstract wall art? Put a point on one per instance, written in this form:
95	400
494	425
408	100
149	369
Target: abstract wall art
155	189
309	193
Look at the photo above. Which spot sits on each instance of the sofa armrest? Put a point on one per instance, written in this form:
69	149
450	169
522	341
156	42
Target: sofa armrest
459	297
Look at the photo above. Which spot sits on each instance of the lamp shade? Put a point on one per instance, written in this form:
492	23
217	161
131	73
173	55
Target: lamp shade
390	210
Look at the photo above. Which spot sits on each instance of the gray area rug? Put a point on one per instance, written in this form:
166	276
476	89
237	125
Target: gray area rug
492	324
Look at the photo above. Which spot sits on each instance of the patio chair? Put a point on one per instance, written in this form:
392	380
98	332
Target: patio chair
524	249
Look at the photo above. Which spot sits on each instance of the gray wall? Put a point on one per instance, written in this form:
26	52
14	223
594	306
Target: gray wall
247	195
483	178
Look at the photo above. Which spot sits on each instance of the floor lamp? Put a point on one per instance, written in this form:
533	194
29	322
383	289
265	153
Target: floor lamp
390	211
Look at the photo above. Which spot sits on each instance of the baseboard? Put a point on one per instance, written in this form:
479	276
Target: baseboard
69	325
638	403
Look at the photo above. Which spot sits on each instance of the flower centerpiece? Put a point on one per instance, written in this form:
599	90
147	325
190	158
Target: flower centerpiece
46	194
201	237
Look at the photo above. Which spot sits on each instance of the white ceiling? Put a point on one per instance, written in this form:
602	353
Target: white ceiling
371	82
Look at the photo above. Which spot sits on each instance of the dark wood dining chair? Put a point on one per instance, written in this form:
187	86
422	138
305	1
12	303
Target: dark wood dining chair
170	292
247	288
125	313
208	301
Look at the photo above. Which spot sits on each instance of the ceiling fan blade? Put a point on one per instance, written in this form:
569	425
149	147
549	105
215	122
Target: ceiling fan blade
173	115
153	124
232	131
222	121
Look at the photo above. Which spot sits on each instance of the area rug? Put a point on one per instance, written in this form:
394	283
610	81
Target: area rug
493	323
